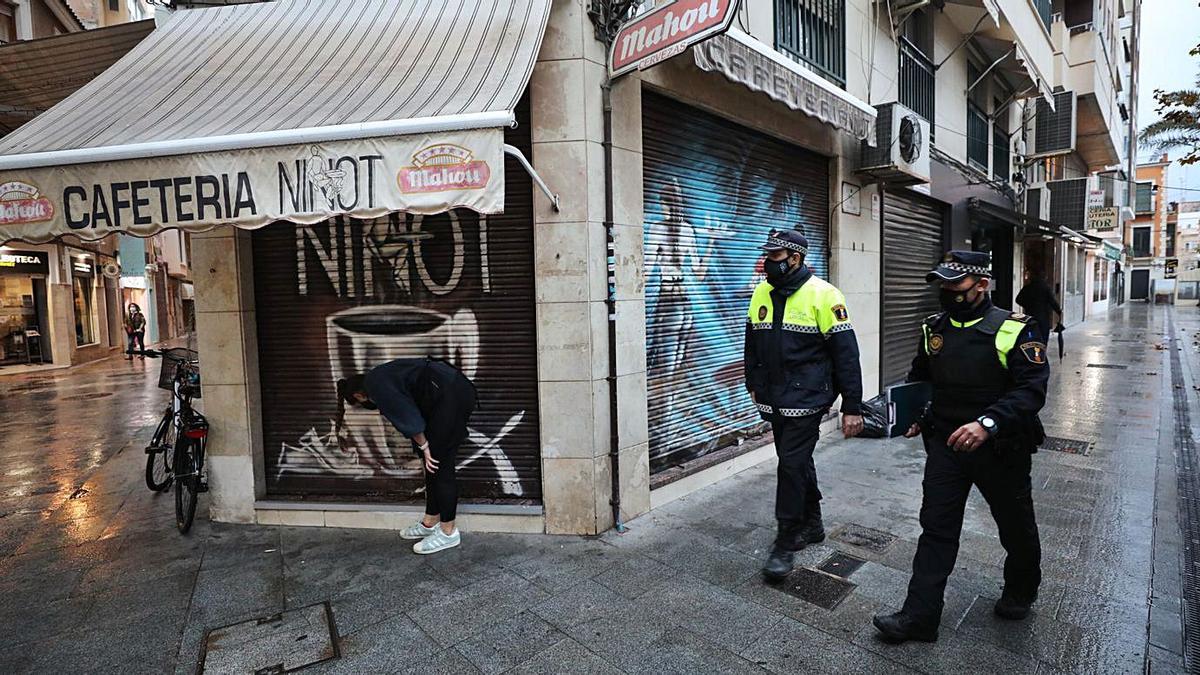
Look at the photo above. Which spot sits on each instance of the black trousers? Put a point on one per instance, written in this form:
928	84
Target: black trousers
445	430
1003	479
796	492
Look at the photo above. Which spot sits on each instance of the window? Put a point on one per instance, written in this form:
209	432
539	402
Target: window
83	282
1000	162
1171	240
1043	10
1141	242
813	32
916	65
114	5
1144	201
1072	262
8	22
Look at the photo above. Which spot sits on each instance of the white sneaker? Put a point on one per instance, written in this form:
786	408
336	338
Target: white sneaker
438	541
417	531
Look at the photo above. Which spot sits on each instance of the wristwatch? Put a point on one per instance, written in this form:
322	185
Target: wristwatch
988	424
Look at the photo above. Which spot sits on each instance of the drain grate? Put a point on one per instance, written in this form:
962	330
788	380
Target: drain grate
1110	366
87	397
1187	465
870	539
821	589
841	565
1068	445
282	643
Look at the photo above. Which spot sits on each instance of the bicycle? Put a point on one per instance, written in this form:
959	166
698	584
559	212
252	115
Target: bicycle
176	452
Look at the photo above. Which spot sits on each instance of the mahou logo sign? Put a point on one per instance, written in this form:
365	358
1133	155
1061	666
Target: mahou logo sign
667	31
23	203
443	167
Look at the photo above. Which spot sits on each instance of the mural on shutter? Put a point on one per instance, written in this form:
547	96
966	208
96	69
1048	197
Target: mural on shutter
337	298
713	191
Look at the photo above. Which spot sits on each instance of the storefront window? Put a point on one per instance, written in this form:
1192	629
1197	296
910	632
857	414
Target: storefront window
1096	277
83	282
17	313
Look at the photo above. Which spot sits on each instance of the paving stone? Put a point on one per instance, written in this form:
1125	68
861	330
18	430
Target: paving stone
586	601
568	658
685	652
721	616
794	647
454	616
510	643
633	575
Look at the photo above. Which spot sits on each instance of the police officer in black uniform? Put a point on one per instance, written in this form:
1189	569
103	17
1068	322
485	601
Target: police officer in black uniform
801	354
989	370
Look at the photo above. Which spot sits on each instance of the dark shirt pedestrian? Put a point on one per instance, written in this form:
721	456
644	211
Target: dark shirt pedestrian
1038	301
429	402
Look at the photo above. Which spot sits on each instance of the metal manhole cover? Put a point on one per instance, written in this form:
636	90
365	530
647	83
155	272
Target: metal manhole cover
87	397
821	589
877	541
282	643
1111	366
841	565
1068	445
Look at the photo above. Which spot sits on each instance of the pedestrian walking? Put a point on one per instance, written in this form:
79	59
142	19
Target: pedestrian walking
800	355
429	402
135	331
1037	299
988	370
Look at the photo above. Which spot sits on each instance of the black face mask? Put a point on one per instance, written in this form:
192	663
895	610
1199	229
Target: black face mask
958	303
777	270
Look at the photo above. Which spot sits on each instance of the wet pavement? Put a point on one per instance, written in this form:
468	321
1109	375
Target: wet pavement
102	582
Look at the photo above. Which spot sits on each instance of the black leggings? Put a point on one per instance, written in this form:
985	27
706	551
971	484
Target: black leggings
139	338
445	430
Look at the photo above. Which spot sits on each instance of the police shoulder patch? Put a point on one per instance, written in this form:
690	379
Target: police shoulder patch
839	311
762	312
935	343
1035	352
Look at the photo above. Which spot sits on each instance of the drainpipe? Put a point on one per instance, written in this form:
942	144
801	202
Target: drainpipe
614	447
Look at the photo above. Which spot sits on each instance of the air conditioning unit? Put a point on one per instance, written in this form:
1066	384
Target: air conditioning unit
1037	201
901	152
1054	131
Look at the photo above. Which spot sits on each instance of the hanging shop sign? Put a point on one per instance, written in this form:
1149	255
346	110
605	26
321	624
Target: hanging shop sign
1103	219
667	31
1170	268
82	266
745	60
13	261
366	178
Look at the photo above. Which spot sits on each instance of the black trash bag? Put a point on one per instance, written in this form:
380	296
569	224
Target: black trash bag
875	418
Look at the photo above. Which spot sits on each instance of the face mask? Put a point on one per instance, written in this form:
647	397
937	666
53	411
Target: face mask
776	270
958	303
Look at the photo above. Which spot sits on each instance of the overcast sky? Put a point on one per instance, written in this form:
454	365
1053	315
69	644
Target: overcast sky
1170	28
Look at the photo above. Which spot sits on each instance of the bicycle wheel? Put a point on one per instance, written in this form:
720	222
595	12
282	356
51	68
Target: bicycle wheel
187	482
159	454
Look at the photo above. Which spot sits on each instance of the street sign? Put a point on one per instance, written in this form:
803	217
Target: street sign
667	31
1103	219
1170	267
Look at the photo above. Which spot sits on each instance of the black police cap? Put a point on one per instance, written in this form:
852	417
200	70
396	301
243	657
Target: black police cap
958	264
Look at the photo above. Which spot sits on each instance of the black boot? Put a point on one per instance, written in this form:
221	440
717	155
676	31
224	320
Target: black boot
783	553
900	627
1012	606
813	530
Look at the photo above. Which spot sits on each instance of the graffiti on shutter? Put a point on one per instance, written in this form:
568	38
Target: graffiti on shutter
713	192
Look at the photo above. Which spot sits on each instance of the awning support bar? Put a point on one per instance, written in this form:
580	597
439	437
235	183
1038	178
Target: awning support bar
520	157
990	69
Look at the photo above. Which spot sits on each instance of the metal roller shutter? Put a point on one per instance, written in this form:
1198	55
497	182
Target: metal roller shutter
713	191
342	296
913	237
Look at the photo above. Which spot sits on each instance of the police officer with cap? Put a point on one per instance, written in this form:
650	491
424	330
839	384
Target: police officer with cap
989	370
801	354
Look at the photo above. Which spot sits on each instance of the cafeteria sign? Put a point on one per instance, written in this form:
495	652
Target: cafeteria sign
667	31
1103	219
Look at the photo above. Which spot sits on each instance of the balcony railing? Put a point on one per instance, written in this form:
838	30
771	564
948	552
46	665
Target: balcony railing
813	32
916	80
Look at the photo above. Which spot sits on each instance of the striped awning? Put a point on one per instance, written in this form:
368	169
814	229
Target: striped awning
289	110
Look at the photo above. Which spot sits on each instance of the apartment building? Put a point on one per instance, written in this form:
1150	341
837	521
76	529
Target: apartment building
1148	240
